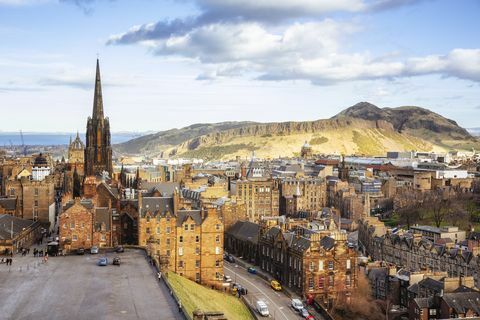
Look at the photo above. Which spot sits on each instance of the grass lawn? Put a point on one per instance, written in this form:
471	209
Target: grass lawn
194	296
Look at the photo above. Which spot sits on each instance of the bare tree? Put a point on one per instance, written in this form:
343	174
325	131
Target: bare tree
407	204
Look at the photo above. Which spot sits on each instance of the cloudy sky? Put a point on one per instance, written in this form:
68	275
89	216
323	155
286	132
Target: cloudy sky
173	63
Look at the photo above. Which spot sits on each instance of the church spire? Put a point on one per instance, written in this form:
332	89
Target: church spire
97	99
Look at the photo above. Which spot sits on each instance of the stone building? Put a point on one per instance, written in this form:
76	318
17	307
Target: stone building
82	225
306	151
187	242
317	265
414	251
16	233
302	194
98	150
261	197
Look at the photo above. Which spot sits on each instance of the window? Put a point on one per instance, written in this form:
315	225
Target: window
36	203
180	251
217	263
217	227
312	266
348	264
217	238
321	282
88	237
74	237
168	230
197	277
12	191
347	280
158	217
36	191
310	283
432	312
158	230
197	250
217	250
148	230
320	265
148	217
330	265
64	226
185	227
168	241
180	264
103	237
72	225
180	239
168	253
197	263
192	227
197	238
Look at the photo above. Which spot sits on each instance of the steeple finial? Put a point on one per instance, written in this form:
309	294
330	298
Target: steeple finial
97	99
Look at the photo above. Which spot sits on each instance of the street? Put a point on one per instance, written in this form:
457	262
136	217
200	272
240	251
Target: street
258	289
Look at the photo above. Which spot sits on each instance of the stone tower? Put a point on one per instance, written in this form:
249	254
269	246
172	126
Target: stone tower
98	150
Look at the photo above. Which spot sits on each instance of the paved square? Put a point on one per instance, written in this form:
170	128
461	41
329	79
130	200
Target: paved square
74	287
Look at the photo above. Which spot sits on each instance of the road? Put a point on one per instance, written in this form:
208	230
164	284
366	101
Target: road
258	289
74	287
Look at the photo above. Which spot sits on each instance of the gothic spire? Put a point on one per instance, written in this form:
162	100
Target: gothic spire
97	98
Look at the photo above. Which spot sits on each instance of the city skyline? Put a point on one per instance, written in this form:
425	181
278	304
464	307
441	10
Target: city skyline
199	61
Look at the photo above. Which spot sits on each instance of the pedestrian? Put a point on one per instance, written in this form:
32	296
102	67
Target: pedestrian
179	306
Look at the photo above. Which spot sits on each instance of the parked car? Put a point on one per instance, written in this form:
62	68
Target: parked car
116	261
276	285
102	262
304	312
297	305
94	250
230	258
252	270
80	251
227	278
309	317
119	249
262	308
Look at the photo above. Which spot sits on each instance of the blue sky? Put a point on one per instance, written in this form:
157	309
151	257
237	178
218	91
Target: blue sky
173	63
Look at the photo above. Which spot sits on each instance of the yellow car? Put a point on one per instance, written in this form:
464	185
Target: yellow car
276	285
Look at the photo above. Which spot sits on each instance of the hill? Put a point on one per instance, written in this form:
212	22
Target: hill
361	129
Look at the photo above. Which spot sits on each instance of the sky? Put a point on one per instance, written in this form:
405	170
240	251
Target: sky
172	63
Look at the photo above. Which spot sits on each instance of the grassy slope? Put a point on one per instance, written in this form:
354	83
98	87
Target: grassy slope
341	140
194	296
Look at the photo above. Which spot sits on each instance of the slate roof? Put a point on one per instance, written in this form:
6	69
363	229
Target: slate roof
431	284
300	243
18	226
87	203
157	205
424	302
461	302
9	204
245	231
327	243
165	188
183	215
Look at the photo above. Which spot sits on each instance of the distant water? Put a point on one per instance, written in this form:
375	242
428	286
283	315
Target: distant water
49	139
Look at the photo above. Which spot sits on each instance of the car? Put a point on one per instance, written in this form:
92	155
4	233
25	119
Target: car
309	317
252	270
304	312
102	262
116	261
262	308
80	251
227	278
94	250
230	258
297	305
119	249
276	285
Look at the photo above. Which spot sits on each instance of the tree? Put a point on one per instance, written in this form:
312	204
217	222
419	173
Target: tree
362	306
408	203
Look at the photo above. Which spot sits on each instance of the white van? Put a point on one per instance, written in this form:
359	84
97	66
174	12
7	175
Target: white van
262	308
